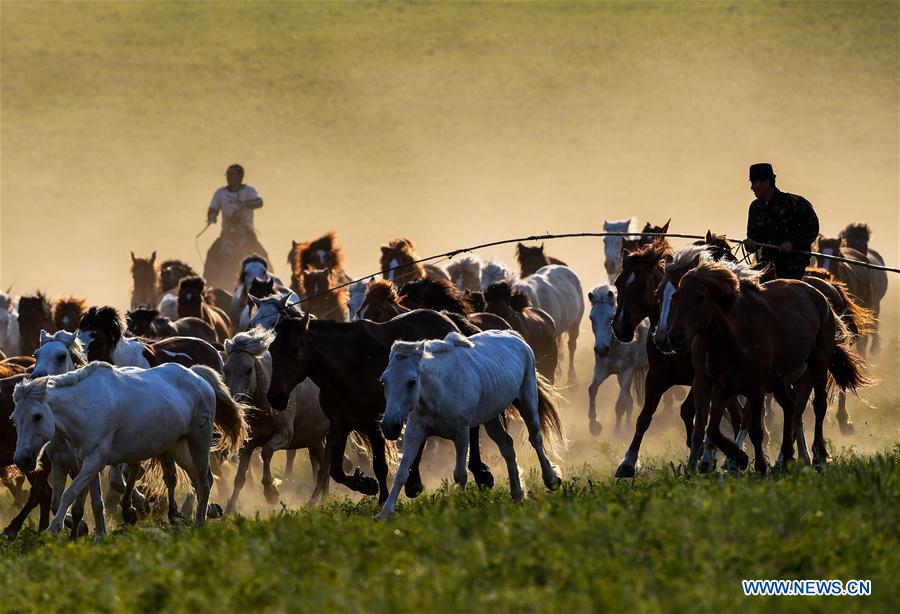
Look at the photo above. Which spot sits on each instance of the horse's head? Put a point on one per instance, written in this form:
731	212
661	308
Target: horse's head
476	300
650	232
260	287
829	247
316	281
190	296
381	302
466	273
243	372
642	270
718	246
290	359
493	272
603	307
857	236
402	385
34	421
67	313
530	258
614	245
34	314
99	331
396	253
59	353
253	267
684	260
703	293
270	310
139	322
171	272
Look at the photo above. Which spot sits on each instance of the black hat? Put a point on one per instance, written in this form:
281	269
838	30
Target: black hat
761	172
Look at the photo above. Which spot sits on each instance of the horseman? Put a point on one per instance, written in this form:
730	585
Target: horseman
778	218
236	201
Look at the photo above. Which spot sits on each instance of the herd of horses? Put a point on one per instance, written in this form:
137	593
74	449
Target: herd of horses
193	377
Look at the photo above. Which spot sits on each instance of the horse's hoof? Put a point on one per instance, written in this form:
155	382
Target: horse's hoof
741	460
413	489
214	510
762	468
382	515
554	483
624	470
847	429
271	493
707	466
83	530
596	428
10	534
129	515
368	486
484	479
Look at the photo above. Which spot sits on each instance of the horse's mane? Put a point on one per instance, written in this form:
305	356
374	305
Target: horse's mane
105	318
36	389
831	242
688	257
648	256
502	291
194	282
142	313
858	233
255	341
720	281
405	349
35	303
382	290
496	269
820	273
70	302
300	256
451	341
171	271
402	244
445	294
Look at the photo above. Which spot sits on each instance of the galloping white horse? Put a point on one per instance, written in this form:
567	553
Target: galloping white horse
9	326
612	246
627	360
113	415
444	387
554	288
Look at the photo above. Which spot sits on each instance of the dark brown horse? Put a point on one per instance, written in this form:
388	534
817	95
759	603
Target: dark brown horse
67	312
746	338
171	272
147	323
101	331
192	304
39	494
144	281
868	286
325	305
397	263
717	245
650	232
532	258
35	314
321	253
346	360
441	295
535	325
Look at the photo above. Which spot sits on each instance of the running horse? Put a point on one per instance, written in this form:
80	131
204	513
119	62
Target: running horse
441	295
346	360
381	302
144	281
67	312
35	314
321	253
533	258
398	263
192	304
318	297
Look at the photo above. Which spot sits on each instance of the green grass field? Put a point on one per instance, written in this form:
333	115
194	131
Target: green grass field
663	542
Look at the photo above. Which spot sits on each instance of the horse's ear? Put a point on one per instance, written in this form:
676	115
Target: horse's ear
132	257
665	228
153	258
542	246
44	336
590	297
708	236
385	250
304	323
294	244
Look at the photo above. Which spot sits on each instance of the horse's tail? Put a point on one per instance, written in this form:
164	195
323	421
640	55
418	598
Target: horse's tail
229	419
846	366
638	385
860	321
551	425
363	447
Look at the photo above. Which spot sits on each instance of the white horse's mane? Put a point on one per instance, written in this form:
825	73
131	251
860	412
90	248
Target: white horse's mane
629	225
255	341
685	257
743	271
466	263
36	389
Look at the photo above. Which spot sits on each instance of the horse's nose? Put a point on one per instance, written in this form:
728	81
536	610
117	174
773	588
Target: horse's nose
390	429
25	462
677	341
601	350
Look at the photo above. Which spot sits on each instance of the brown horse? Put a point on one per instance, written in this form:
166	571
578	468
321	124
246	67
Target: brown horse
381	303
67	312
325	305
147	323
321	253
144	281
397	263
746	338
171	272
535	325
35	314
192	304
346	360
532	258
441	295
868	285
717	245
650	232
39	494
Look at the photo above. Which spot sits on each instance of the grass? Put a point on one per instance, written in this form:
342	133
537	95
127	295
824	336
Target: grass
664	542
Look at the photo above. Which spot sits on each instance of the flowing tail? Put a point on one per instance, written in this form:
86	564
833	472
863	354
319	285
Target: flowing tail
859	320
846	365
551	425
229	420
638	386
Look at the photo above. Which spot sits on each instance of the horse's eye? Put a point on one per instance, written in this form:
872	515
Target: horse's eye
59	358
249	370
701	299
37	418
411	383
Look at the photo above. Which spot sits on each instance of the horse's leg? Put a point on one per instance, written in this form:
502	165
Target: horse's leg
701	416
289	465
820	406
842	415
78	515
714	432
270	489
655	389
379	462
624	403
528	409
38	494
754	407
170	478
600	374
199	446
129	515
495	431
240	477
319	459
461	441
413	438
482	473
572	335
769	422
97	509
687	416
336	443
90	468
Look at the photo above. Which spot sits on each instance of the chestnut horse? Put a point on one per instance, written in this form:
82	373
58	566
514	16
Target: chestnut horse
314	287
144	281
747	338
67	312
397	258
346	360
381	302
192	304
535	325
321	253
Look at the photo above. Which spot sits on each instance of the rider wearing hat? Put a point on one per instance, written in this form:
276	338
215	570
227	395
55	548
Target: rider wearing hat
781	219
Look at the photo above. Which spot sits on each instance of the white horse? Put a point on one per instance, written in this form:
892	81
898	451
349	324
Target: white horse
627	360
357	296
113	415
248	371
9	326
445	387
555	289
465	273
253	268
612	246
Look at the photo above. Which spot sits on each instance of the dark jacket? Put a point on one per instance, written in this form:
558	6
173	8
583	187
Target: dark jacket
786	217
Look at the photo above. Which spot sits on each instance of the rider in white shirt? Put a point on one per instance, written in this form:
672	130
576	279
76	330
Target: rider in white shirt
236	201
